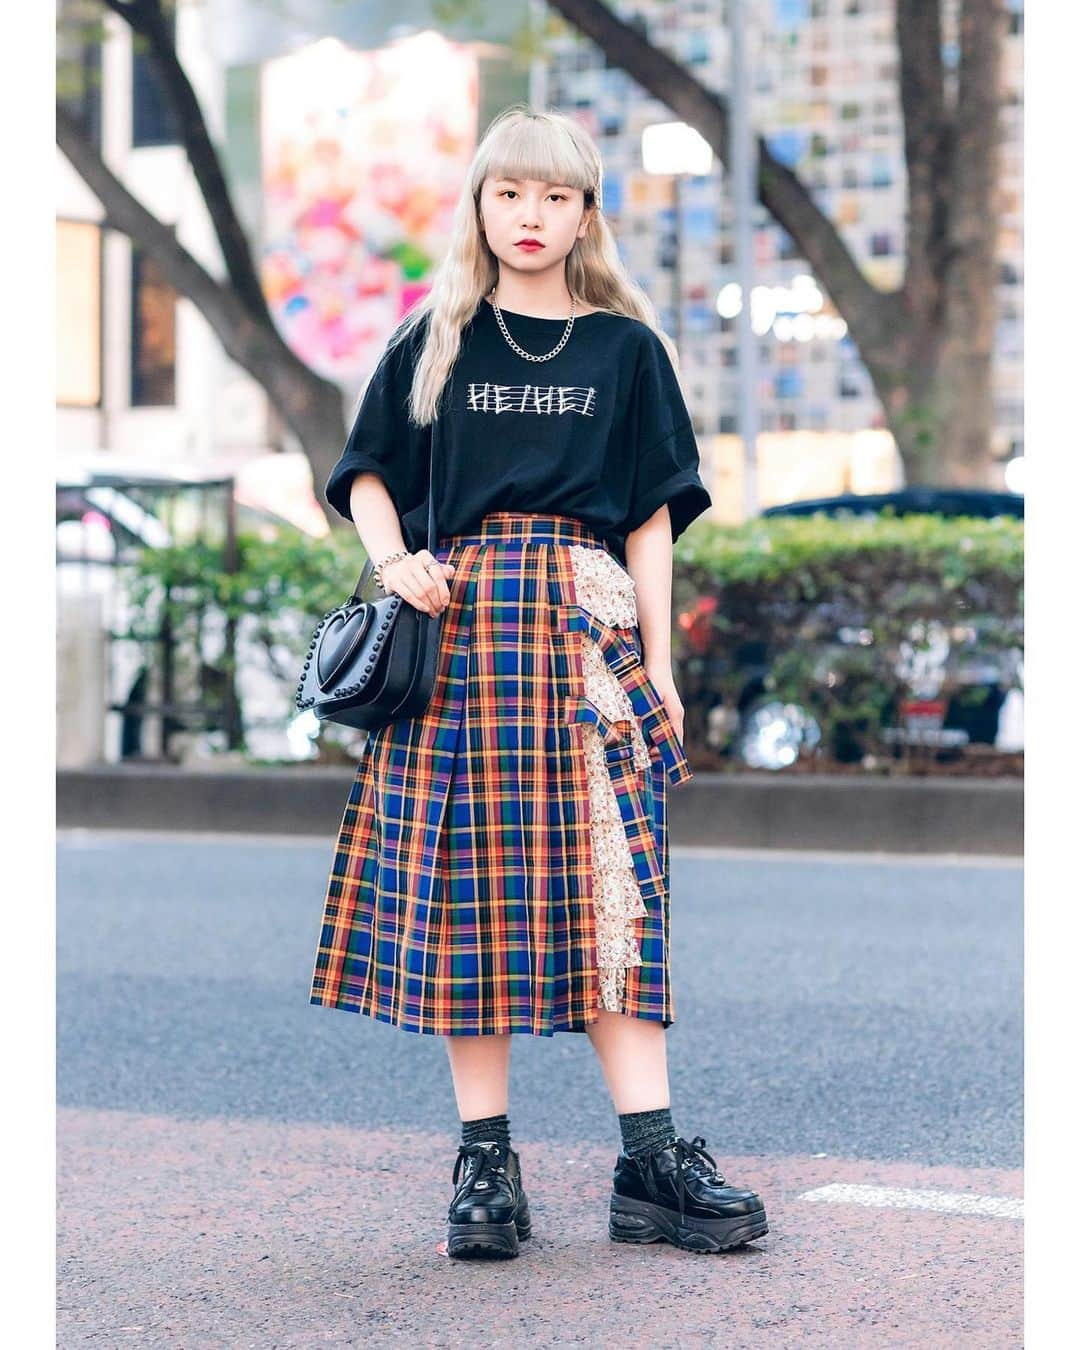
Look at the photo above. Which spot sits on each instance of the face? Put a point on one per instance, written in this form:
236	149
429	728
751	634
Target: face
551	213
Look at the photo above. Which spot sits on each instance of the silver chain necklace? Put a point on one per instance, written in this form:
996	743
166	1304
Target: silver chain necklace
529	356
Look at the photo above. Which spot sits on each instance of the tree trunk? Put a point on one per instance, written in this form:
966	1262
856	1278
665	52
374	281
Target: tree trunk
963	402
965	391
938	404
911	399
939	396
320	426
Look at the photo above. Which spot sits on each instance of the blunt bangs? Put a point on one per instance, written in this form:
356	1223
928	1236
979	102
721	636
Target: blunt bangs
532	147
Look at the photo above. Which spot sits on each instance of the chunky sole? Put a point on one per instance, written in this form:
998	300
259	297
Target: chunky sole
639	1221
494	1240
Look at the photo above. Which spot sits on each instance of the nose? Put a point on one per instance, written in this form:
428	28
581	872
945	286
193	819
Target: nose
531	217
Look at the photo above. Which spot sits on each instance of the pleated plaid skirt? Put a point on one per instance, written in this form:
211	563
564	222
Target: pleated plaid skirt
502	861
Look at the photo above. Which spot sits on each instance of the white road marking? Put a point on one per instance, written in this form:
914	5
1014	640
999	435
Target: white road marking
902	1197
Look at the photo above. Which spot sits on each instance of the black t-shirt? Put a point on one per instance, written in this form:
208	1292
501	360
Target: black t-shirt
600	432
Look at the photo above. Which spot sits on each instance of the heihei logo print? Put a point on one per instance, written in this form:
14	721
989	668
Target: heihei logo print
486	397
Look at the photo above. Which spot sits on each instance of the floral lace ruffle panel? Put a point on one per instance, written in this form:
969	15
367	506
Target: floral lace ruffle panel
606	589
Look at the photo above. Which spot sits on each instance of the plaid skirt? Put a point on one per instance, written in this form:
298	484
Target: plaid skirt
502	861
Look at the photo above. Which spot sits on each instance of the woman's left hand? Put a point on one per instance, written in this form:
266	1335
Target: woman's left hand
665	684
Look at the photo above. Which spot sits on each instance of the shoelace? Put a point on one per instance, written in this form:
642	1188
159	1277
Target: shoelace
484	1157
692	1159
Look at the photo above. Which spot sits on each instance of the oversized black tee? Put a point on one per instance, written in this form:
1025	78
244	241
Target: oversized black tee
600	432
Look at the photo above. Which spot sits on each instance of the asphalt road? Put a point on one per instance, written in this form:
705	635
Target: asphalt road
840	1021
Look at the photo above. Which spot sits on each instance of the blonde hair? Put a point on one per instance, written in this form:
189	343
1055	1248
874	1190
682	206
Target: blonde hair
518	143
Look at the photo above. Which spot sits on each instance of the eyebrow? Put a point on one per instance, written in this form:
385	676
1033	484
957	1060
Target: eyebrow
525	180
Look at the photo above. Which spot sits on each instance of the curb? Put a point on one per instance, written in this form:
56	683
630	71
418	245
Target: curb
813	811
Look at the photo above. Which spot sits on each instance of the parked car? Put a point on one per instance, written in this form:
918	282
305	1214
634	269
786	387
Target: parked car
954	697
936	501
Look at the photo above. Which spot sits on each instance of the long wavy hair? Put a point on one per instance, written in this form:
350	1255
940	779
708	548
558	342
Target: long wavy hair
518	143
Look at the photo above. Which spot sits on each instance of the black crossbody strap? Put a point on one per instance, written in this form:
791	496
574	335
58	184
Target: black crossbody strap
432	538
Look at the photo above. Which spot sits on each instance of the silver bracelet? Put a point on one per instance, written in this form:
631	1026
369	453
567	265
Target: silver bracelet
390	557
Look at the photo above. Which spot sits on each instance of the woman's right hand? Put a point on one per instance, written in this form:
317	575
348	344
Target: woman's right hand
426	590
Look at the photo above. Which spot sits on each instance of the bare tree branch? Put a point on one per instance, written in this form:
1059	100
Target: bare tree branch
251	343
872	315
147	18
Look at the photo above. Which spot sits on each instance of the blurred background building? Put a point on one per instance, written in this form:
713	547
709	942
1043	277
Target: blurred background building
345	133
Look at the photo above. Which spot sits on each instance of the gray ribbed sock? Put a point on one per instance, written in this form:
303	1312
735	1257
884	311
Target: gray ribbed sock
642	1131
487	1128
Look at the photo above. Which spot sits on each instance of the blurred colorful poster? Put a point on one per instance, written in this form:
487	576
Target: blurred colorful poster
363	157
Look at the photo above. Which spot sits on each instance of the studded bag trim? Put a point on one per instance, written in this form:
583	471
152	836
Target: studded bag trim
370	661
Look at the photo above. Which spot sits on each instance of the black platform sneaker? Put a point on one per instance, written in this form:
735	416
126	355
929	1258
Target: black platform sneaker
675	1194
490	1211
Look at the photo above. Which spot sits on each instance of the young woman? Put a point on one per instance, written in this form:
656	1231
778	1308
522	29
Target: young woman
502	862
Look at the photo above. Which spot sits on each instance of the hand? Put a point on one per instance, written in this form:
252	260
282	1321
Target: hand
665	684
425	589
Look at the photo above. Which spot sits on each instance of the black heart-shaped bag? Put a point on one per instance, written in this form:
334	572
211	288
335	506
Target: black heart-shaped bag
371	661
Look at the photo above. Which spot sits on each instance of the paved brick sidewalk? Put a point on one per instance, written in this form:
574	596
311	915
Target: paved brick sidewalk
237	1233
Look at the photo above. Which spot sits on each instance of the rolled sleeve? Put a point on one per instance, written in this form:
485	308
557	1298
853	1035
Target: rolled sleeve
383	440
664	478
339	484
666	456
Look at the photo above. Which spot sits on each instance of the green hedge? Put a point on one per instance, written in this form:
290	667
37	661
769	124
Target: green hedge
280	590
792	582
788	582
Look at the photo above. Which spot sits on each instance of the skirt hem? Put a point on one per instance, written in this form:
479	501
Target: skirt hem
515	1029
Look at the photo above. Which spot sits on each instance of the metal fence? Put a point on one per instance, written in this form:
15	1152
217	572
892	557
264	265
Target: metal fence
104	523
